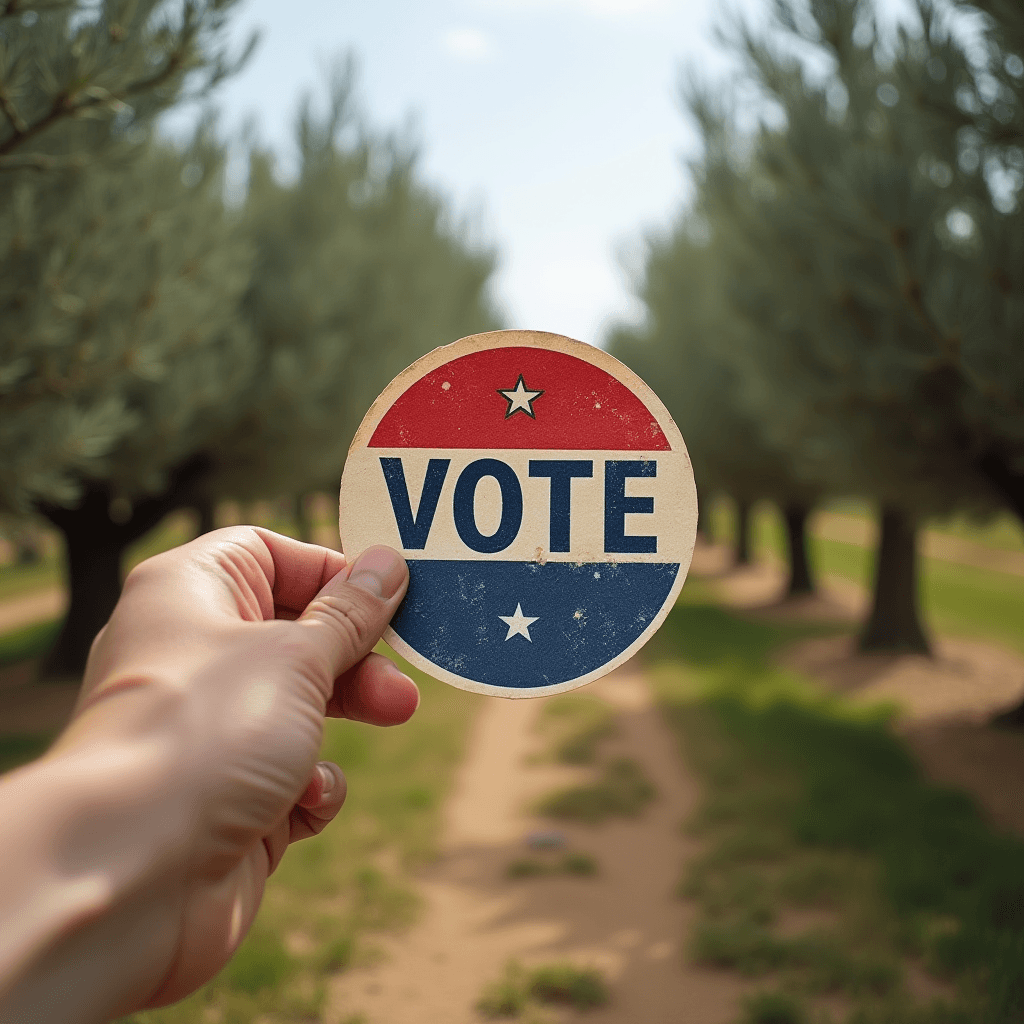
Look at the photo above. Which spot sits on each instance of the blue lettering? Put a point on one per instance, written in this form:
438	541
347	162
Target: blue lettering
617	506
414	530
511	506
561	472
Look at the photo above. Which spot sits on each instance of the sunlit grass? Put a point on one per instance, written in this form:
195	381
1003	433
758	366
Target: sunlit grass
961	600
814	807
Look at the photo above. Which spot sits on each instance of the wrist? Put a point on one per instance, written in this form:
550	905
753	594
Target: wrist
96	823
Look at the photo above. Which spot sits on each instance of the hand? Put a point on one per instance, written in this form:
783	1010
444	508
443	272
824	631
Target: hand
221	660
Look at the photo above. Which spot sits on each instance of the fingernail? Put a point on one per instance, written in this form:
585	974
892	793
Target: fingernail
326	778
380	571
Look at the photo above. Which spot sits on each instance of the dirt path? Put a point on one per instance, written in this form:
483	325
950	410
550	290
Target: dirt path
626	920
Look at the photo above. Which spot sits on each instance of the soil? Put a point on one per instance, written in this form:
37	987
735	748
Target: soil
626	920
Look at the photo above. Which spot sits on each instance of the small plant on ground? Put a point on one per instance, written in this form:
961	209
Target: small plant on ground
582	988
772	1008
581	865
526	867
622	791
816	814
565	984
506	997
579	722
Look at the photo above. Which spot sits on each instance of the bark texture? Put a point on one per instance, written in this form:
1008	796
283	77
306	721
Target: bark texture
894	624
801	579
743	532
95	545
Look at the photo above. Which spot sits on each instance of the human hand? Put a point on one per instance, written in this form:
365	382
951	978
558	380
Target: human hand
220	661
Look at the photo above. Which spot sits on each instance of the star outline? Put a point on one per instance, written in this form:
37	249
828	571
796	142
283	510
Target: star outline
520	388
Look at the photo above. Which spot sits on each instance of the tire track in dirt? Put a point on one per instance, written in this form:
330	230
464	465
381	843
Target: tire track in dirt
626	920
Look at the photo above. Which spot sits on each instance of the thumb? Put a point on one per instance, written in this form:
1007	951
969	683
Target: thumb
346	619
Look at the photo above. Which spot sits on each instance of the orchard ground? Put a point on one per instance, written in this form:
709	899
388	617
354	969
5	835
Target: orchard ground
783	868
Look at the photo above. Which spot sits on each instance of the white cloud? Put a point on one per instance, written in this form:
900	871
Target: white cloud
467	44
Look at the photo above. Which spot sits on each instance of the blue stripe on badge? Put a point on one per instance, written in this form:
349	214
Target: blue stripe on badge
525	625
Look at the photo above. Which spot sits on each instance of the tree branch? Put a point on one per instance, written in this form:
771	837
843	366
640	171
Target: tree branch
65	105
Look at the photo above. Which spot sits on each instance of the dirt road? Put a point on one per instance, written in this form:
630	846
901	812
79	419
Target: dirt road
626	920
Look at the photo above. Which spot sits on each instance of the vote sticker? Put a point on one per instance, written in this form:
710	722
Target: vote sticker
544	500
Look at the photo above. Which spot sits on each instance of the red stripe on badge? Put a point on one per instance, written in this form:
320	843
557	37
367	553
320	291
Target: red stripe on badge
519	398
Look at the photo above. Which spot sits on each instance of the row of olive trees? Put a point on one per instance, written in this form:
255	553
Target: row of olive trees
159	349
840	309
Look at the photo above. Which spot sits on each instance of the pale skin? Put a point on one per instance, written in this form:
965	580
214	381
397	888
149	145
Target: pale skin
135	852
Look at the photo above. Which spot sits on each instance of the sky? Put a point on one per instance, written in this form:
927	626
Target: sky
553	125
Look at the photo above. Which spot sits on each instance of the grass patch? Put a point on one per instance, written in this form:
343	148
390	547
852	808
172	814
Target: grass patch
582	865
28	642
19	750
18	580
812	804
961	600
579	987
582	988
773	1008
622	791
576	723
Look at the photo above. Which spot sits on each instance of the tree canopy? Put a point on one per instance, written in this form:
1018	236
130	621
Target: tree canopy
868	235
161	348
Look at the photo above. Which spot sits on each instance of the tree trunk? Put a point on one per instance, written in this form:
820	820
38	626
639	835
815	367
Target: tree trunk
997	470
95	545
302	524
894	626
743	533
206	510
801	581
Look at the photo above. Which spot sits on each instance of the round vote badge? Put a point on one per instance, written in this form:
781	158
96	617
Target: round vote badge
544	501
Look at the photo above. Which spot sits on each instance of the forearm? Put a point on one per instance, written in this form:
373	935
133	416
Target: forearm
93	843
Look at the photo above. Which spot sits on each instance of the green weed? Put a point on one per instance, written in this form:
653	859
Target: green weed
773	1008
582	988
580	864
527	867
506	997
261	962
28	642
579	722
562	983
623	790
19	750
812	803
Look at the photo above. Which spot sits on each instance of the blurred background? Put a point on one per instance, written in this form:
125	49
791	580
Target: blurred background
225	225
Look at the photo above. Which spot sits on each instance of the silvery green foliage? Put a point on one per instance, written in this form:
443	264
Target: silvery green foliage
121	350
358	272
681	352
80	77
870	237
120	270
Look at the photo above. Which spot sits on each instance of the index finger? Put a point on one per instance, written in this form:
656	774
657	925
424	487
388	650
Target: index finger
300	570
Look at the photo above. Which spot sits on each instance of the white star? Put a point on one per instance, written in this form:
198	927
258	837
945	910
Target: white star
520	398
519	624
